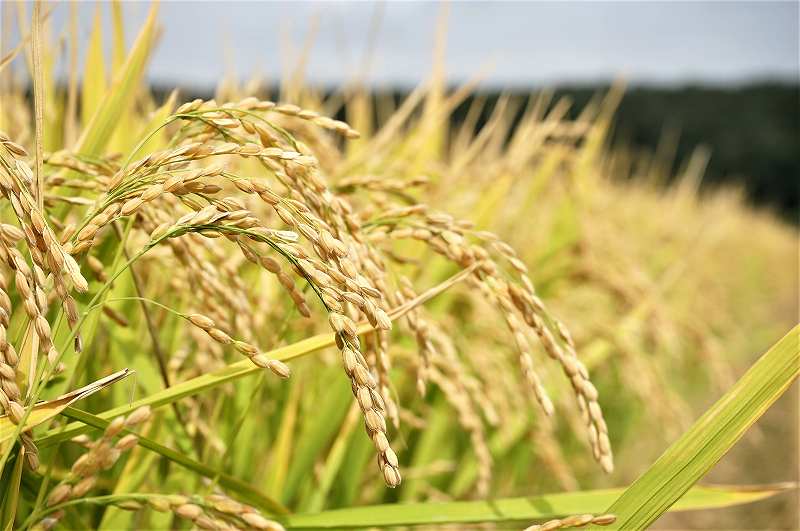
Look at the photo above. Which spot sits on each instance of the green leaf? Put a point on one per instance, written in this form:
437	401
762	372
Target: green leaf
317	435
158	140
119	96
124	134
118	51
436	442
700	448
500	444
333	462
528	509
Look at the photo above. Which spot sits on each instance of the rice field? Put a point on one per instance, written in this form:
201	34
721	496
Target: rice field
304	311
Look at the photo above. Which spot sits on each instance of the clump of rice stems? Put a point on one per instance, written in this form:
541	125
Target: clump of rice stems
231	177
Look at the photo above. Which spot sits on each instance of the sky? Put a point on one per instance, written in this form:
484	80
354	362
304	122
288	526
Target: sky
513	44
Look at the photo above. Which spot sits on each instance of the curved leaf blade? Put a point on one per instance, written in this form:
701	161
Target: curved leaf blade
240	369
45	411
686	461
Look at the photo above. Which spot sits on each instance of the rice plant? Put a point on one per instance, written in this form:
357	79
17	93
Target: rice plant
210	297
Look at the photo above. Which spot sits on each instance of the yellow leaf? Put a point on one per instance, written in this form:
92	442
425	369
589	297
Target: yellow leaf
44	411
94	74
118	52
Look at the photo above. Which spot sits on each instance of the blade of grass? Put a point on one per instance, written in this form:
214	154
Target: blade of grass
44	411
527	509
71	107
158	140
687	460
351	477
435	443
500	444
119	97
94	76
314	439
123	139
118	49
12	493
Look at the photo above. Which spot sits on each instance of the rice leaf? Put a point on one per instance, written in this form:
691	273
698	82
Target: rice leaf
283	448
94	76
118	49
124	134
526	509
317	435
12	493
45	411
687	460
119	97
158	140
334	460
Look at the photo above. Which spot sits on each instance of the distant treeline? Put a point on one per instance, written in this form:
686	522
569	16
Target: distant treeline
753	131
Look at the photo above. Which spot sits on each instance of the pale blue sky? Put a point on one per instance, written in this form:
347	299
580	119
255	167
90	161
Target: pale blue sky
522	43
